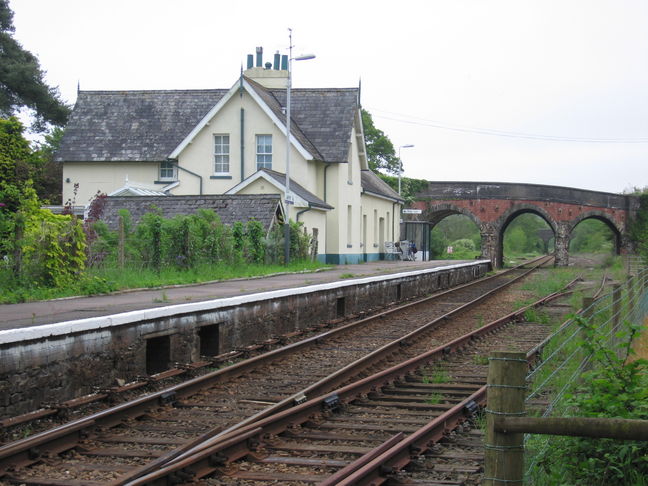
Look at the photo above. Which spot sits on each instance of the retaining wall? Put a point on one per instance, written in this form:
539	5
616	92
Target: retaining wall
44	365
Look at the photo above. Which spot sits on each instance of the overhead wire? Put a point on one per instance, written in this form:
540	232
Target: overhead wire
398	117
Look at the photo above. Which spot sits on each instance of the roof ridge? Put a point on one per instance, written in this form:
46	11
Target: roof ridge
153	91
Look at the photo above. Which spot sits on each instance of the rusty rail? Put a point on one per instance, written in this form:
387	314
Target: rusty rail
197	459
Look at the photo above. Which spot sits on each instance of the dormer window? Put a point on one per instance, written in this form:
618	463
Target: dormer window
221	154
264	151
168	171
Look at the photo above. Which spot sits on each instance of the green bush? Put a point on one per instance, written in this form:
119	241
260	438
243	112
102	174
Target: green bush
614	387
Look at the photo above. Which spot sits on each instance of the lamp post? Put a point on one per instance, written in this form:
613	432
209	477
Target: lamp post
400	165
289	200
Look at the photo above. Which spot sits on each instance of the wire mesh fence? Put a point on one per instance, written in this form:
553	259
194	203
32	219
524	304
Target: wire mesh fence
564	358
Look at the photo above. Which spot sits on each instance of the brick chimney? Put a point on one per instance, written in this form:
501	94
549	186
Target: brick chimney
272	74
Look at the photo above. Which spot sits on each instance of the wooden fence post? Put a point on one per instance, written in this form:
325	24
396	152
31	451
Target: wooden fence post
616	305
121	243
588	309
631	293
504	453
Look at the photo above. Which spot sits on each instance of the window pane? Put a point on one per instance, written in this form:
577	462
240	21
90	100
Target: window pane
264	151
221	153
167	171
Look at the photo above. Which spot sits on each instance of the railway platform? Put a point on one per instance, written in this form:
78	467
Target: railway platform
15	316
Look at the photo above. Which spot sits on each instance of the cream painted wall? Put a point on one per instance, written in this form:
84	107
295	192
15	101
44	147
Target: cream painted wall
316	218
260	186
344	191
108	177
198	156
380	208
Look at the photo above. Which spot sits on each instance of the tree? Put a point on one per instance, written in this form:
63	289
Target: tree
639	227
21	80
15	163
380	150
47	174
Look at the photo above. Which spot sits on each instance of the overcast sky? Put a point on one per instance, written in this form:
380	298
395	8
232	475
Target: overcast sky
464	81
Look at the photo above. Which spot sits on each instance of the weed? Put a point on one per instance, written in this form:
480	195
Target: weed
438	376
534	315
480	360
162	299
434	399
347	275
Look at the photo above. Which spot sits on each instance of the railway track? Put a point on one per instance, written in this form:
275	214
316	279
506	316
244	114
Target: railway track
119	442
366	432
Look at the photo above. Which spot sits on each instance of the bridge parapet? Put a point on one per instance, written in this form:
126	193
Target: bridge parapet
492	206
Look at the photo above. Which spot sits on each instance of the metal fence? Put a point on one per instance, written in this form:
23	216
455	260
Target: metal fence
564	360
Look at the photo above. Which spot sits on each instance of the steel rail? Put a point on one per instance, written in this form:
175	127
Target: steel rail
23	452
20	450
371	472
324	385
103	394
197	461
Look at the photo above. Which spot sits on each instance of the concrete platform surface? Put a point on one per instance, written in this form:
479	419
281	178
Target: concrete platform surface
13	316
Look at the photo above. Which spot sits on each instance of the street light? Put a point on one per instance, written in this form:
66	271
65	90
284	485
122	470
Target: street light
289	199
400	165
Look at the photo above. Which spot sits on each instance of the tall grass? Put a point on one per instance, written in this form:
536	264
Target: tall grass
104	280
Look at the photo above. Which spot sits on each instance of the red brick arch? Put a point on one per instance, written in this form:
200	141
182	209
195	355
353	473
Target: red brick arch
492	206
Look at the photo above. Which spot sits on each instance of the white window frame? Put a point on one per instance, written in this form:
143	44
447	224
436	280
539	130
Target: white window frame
263	157
221	153
167	167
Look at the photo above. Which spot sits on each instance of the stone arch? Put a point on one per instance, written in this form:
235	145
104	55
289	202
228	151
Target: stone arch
604	218
513	212
434	213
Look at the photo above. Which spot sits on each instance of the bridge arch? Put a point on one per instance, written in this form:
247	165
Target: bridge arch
435	213
604	218
561	207
513	212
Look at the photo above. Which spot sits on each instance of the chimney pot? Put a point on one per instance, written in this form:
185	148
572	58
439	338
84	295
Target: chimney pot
259	57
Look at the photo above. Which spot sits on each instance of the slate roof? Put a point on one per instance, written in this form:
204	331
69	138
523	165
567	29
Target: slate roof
124	126
320	118
146	126
295	187
262	207
373	184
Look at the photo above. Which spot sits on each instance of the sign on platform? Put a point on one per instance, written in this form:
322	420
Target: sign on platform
412	211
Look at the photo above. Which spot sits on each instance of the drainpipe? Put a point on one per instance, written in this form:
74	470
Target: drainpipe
325	169
394	221
301	212
242	142
175	164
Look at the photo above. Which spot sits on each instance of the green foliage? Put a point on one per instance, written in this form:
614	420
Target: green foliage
53	249
15	164
434	399
591	236
438	245
521	235
548	283
254	242
638	227
409	187
612	387
22	81
380	150
460	233
47	174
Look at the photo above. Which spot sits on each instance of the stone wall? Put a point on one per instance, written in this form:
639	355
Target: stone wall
50	364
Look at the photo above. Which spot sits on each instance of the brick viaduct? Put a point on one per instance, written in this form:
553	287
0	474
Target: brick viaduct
493	205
